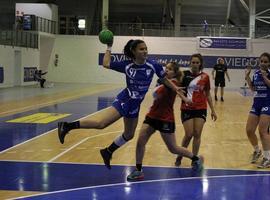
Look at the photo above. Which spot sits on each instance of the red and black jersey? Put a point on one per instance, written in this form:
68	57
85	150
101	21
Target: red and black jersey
196	87
162	108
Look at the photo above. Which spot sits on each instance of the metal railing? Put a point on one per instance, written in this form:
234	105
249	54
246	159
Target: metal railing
45	25
186	30
35	23
19	38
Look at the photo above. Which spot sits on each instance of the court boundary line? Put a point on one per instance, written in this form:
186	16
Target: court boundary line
77	144
127	165
48	132
41	105
27	141
177	124
142	182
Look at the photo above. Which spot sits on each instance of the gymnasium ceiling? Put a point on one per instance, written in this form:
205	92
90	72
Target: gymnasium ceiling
193	11
150	11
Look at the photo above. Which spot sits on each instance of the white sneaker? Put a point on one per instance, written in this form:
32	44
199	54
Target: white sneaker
264	164
256	156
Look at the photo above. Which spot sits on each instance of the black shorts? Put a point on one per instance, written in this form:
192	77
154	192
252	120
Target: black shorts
162	126
220	82
190	114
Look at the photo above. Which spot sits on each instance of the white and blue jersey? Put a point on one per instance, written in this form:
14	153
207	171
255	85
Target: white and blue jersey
138	80
261	101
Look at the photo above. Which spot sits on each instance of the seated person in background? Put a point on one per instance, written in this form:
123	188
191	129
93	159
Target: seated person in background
38	77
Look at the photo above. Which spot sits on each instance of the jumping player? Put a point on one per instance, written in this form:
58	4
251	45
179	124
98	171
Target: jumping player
139	72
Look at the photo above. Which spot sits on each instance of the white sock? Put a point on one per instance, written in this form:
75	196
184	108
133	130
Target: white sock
256	148
266	154
119	141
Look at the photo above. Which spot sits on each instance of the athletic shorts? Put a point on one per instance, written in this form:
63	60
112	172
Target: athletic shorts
160	125
219	82
190	114
126	106
260	109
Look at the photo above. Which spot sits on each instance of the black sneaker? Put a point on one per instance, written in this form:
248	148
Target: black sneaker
216	98
178	161
62	131
222	99
135	176
106	157
198	164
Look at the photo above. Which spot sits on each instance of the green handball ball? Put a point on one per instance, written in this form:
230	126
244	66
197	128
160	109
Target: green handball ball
106	37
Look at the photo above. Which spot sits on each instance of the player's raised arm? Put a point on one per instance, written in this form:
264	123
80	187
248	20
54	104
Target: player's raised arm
106	37
107	58
247	77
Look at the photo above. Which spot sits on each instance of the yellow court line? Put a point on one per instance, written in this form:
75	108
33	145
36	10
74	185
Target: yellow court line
39	118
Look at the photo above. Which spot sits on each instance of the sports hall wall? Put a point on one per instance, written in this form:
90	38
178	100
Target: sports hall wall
78	57
16	65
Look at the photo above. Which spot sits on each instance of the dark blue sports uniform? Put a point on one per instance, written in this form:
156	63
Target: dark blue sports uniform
261	101
138	80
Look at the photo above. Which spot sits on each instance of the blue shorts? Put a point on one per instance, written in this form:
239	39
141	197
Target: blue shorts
126	106
260	109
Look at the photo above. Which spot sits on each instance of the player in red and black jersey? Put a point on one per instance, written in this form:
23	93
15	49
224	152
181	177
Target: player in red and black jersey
193	116
161	118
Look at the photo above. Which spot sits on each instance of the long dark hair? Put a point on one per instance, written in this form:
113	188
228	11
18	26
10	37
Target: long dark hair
199	56
265	54
131	46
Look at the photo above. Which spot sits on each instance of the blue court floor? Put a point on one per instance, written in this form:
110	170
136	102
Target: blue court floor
87	181
91	181
12	134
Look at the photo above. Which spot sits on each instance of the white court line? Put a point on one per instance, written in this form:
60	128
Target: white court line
25	109
48	132
77	144
36	106
86	117
26	141
149	181
131	165
73	146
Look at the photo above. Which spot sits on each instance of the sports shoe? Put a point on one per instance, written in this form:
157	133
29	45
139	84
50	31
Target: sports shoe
62	131
216	98
135	176
178	161
264	164
107	156
221	99
198	164
255	156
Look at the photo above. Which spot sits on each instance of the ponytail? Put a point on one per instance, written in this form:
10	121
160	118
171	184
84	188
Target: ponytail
130	47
